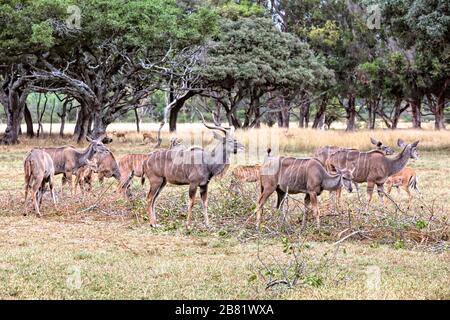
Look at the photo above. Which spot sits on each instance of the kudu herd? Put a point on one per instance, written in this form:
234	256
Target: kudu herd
331	168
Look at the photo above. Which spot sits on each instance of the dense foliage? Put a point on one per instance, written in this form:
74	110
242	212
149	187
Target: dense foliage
369	62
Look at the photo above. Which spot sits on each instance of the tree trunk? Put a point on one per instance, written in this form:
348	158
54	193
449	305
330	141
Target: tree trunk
178	104
51	116
28	121
216	114
397	112
283	117
99	129
138	120
320	114
62	117
439	120
14	103
350	111
372	107
82	124
257	116
13	117
415	104
304	113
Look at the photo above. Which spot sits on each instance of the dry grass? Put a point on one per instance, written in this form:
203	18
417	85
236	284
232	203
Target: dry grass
120	256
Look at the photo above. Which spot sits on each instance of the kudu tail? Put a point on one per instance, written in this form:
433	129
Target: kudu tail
28	169
413	183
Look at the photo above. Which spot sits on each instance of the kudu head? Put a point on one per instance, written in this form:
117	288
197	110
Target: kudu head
92	165
97	145
346	178
411	148
382	147
231	145
229	142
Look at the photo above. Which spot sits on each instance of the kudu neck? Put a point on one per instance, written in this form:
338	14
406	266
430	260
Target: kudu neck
87	154
332	182
219	159
396	164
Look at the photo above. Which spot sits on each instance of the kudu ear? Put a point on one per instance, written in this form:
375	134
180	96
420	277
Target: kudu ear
107	140
217	136
373	141
415	144
401	143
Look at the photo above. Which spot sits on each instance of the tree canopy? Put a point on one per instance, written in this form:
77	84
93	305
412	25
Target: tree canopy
246	62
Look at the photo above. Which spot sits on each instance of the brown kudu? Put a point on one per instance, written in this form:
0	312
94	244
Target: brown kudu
374	167
84	176
134	163
39	170
323	154
188	166
67	160
407	179
289	175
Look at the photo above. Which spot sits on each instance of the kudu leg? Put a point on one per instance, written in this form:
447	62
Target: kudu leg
338	199
70	181
264	195
204	196
357	191
50	183
410	196
79	182
380	190
370	186
305	215
155	188
35	196
280	197
192	193
63	182
27	187
389	189
316	209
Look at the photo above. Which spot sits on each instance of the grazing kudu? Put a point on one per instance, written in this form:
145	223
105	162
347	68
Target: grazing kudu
289	175
324	153
107	166
84	176
131	163
244	173
188	166
374	167
67	160
39	170
407	179
120	135
134	163
148	136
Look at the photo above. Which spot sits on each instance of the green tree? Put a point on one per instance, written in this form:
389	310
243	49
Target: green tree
251	58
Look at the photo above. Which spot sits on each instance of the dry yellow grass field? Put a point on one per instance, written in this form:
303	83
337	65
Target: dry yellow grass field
101	246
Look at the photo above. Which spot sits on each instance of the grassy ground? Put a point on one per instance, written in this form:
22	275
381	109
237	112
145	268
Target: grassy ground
100	246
